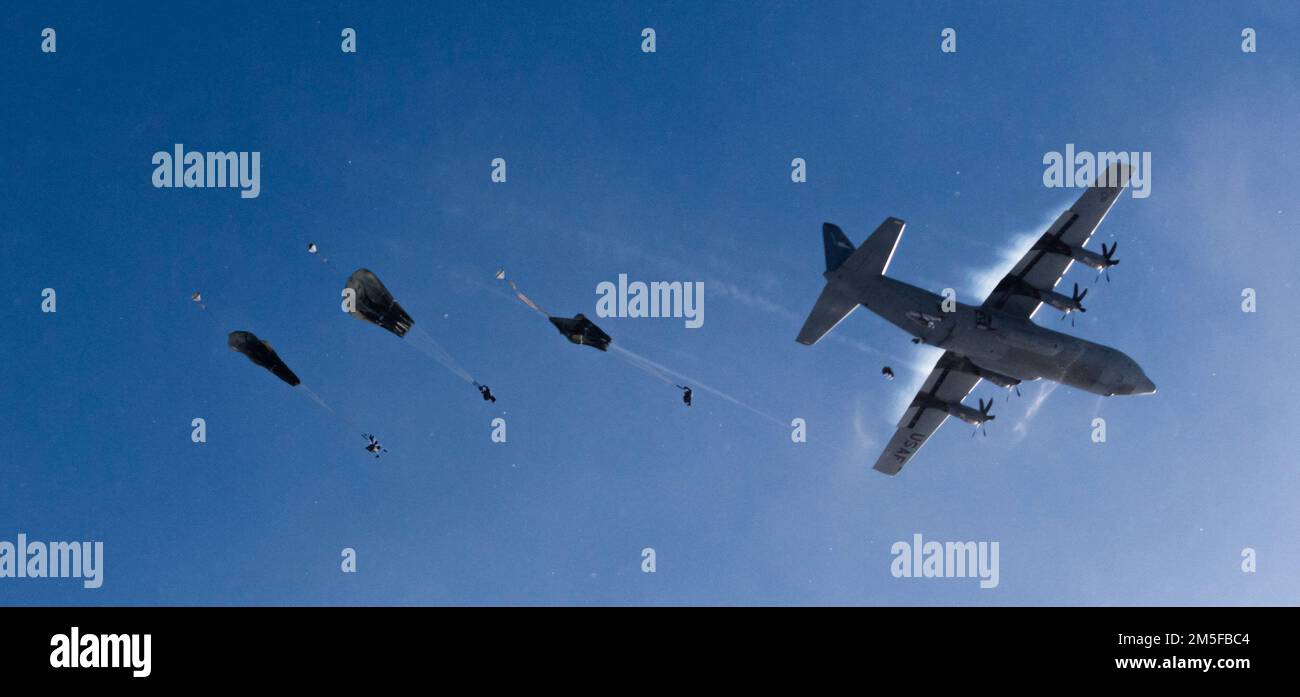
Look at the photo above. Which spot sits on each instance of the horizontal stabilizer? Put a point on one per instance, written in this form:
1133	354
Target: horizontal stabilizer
833	305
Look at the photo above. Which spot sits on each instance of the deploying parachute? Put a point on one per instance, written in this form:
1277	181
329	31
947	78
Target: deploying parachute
581	330
376	305
578	329
261	353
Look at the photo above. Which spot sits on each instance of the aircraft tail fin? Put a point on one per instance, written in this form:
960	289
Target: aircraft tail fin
838	246
846	272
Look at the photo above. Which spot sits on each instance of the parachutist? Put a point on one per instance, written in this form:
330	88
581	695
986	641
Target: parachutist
374	446
687	394
486	392
887	372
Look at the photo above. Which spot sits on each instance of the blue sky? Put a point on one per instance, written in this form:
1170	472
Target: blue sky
668	166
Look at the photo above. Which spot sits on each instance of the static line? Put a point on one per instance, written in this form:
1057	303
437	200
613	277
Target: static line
422	342
526	300
311	394
636	362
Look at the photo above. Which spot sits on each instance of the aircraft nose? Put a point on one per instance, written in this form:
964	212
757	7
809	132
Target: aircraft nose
1144	386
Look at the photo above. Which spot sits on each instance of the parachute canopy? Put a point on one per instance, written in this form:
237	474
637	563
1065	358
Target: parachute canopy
376	305
581	330
261	353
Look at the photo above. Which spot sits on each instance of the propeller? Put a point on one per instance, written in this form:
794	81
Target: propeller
985	416
1108	254
1076	300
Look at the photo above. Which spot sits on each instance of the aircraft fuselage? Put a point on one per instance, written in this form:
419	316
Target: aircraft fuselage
1012	346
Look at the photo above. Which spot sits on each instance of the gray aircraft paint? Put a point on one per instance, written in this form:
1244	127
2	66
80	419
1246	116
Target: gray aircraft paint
996	341
1012	346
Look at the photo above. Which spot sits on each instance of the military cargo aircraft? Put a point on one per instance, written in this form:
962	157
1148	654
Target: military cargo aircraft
996	340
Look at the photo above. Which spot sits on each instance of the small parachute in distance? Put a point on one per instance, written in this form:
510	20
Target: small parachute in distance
376	305
581	330
261	353
311	247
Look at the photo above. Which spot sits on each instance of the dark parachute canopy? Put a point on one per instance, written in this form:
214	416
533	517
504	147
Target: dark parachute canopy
376	305
261	353
577	329
581	330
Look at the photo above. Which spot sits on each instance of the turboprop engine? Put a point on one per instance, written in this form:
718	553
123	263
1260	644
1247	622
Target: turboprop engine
975	417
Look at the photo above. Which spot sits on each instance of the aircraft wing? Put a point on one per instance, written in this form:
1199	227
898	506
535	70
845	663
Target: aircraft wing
1043	269
919	422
